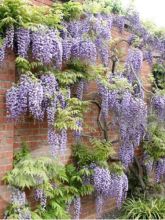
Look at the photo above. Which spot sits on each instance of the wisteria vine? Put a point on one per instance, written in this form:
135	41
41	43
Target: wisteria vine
88	40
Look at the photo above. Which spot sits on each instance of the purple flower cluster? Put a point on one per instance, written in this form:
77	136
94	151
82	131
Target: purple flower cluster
38	97
84	46
131	117
79	28
55	48
40	196
47	46
99	200
41	46
18	200
50	90
134	19
2	52
9	37
107	184
8	42
102	180
148	163
104	93
119	22
27	95
101	26
84	50
23	41
18	197
66	47
24	214
148	57
77	207
80	89
103	51
158	105
133	64
132	39
159	169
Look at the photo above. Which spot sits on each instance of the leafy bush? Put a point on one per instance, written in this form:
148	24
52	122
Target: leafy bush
61	184
155	145
98	152
144	209
159	75
19	13
72	10
100	6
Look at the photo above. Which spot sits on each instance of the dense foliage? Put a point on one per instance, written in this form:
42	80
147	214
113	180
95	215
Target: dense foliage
144	209
58	50
55	187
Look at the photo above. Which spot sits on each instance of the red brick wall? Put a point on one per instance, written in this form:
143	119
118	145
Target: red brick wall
42	2
7	77
35	133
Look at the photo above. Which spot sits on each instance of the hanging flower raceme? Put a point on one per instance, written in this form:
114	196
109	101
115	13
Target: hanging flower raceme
159	169
2	51
56	48
38	97
77	207
52	99
148	163
40	196
23	41
133	64
104	93
103	51
18	200
47	46
148	57
101	25
130	115
79	28
134	19
35	99
7	42
50	90
57	139
41	46
10	37
85	51
27	95
119	22
66	47
158	105
107	184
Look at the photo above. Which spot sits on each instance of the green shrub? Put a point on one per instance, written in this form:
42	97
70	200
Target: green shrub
144	209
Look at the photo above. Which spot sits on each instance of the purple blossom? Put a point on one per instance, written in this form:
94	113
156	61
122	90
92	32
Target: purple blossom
84	50
158	105
9	40
23	41
77	207
134	61
40	196
159	169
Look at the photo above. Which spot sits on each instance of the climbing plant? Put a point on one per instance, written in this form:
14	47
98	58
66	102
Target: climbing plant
58	50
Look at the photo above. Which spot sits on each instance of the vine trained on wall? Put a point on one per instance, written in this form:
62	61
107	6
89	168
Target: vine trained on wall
60	47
